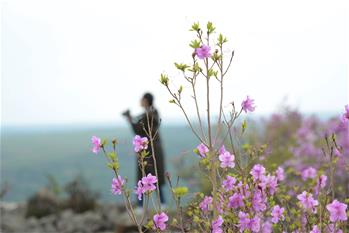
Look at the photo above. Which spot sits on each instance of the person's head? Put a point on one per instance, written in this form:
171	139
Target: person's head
147	100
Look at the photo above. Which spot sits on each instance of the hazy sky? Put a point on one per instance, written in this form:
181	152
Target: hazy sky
87	61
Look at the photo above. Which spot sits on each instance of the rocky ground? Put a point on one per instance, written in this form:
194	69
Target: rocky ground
106	218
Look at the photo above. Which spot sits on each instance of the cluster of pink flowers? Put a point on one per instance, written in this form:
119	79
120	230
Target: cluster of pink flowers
248	198
146	184
140	143
206	204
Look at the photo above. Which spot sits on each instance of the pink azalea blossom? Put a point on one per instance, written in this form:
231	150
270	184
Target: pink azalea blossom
116	185
217	225
222	150
257	172
227	160
280	173
202	148
269	182
277	213
267	227
206	203
148	182
330	228
345	116
96	142
228	183
337	152
309	172
248	105
258	201
139	190
322	181
203	52
315	229
255	224
235	201
307	201
244	221
337	211
160	221
140	143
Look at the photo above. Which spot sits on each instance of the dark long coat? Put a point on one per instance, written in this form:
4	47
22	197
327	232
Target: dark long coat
138	127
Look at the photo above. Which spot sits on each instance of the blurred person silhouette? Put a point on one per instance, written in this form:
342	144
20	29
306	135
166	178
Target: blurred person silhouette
140	126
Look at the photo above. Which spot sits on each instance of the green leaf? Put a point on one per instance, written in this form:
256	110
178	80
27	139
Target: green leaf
164	79
180	191
104	142
211	73
195	44
210	28
195	27
180	89
110	165
196	68
221	40
181	66
244	126
112	155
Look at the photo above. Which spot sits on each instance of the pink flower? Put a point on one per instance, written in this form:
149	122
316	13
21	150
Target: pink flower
160	221
280	174
322	181
267	227
139	190
227	160
255	224
277	213
337	152
244	221
203	52
140	143
202	148
116	185
96	144
315	229
345	116
217	225
307	201
248	105
228	183
257	172
236	201
337	211
309	172
222	150
269	182
148	182
206	204
258	201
